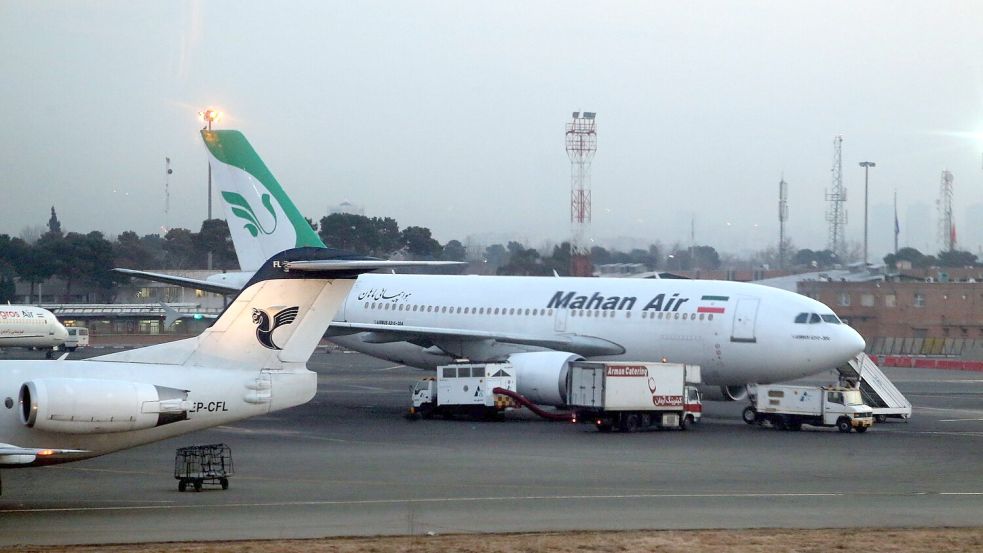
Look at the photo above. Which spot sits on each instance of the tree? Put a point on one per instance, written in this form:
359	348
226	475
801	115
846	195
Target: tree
179	248
13	254
130	253
54	225
705	257
215	237
349	231
420	244
454	251
523	262
956	258
911	255
496	255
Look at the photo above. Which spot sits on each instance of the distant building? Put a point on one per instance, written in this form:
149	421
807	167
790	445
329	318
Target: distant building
908	315
346	207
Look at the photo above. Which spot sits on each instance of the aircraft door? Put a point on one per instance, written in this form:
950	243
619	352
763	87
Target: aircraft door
560	322
744	319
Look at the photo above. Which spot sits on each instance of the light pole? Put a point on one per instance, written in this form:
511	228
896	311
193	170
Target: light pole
866	165
210	115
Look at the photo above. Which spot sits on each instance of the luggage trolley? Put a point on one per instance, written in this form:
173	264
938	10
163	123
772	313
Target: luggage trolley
198	464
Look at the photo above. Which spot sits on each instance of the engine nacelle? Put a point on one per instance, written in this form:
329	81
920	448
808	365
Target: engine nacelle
91	406
541	376
723	393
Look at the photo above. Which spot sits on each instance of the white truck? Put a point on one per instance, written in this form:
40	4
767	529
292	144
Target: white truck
78	337
789	407
464	389
630	395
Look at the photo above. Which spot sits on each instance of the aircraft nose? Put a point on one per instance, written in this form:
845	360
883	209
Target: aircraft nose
854	342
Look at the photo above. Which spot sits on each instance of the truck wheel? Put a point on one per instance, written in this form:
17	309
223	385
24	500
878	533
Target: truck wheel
198	484
182	485
685	422
224	482
795	426
750	415
603	427
843	425
861	429
778	422
629	423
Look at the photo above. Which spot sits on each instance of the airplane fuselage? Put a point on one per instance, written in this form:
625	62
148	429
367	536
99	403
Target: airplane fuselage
214	396
30	327
738	332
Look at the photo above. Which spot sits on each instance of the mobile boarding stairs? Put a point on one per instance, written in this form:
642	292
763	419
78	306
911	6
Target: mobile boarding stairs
877	390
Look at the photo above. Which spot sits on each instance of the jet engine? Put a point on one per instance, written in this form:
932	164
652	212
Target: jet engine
541	376
723	393
91	406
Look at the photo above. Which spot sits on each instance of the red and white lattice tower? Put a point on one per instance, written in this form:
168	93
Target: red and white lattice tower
581	143
947	227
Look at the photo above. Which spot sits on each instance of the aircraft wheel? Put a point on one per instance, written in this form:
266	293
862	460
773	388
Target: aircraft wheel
750	415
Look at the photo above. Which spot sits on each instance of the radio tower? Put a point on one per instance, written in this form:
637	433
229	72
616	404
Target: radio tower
581	143
947	227
836	210
782	218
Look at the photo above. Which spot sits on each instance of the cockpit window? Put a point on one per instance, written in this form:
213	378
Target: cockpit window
831	319
801	318
814	318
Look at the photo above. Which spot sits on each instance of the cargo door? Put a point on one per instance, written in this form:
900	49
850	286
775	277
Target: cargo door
586	386
744	318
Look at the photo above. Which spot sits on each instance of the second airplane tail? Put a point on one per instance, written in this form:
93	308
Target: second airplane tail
262	219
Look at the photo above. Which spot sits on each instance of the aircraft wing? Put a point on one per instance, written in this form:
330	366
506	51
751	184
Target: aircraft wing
14	455
217	287
588	346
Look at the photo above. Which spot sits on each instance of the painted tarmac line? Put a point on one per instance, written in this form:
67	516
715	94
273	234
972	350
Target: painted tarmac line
958	420
451	500
394	367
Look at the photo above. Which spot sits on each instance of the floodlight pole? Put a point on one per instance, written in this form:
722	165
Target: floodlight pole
866	165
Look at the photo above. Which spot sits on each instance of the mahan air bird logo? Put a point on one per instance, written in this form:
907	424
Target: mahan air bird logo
267	320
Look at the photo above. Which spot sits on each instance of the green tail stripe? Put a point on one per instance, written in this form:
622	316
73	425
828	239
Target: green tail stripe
232	148
715	298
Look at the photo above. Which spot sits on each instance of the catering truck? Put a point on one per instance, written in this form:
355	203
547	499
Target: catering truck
629	396
789	407
464	389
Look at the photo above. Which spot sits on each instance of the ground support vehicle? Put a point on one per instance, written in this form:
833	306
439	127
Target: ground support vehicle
78	337
629	396
464	389
200	464
789	407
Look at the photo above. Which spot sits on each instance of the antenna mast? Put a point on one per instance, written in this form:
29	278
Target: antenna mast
581	144
947	227
836	210
782	218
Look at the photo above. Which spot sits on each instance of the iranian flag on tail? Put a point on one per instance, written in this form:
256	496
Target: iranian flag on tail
711	304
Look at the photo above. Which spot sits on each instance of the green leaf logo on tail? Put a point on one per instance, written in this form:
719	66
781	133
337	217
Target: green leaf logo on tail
242	209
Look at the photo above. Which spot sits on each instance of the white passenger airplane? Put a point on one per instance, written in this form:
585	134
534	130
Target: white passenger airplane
251	361
27	326
739	333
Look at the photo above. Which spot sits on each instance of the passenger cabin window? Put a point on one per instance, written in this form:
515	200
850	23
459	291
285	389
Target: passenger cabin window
801	318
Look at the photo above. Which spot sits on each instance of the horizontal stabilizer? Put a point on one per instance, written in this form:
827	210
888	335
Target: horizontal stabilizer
14	455
207	286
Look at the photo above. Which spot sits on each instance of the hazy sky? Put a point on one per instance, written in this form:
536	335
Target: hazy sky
451	114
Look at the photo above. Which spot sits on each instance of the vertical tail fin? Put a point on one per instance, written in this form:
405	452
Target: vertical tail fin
262	219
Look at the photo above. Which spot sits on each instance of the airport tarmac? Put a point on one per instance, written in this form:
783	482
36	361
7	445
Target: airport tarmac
348	463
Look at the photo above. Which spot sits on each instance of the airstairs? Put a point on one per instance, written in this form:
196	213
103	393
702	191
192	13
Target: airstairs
877	390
